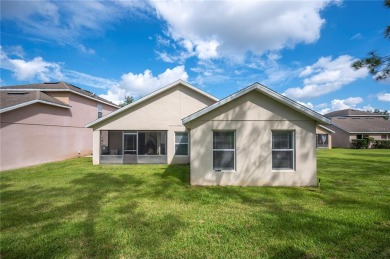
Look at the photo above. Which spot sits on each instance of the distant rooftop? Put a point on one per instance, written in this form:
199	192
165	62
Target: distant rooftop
353	113
10	100
362	124
56	86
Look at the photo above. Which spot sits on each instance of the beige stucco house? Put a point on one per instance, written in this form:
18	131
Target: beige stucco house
253	137
46	122
324	137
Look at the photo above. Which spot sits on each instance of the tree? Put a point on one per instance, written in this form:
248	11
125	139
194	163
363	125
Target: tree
384	112
378	66
128	99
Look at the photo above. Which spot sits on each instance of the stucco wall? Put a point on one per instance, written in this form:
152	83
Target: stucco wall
161	112
253	117
340	138
42	133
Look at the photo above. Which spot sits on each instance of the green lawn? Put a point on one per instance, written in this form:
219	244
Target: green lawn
74	209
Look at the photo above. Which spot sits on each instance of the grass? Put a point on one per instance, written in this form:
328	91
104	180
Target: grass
73	209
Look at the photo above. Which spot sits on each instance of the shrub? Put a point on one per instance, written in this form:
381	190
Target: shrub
381	144
359	143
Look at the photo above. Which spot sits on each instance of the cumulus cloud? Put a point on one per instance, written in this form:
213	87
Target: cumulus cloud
36	68
42	70
307	104
143	83
325	76
341	104
129	84
240	26
384	97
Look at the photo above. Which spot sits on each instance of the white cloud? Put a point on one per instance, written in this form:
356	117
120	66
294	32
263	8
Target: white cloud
39	69
341	104
36	68
325	76
233	28
66	22
143	83
384	97
308	104
129	84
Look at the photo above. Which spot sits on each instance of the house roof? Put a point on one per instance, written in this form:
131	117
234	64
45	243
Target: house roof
267	92
326	129
147	97
352	113
11	100
57	87
362	124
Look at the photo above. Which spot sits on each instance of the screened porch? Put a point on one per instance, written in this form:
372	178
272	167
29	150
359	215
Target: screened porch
133	147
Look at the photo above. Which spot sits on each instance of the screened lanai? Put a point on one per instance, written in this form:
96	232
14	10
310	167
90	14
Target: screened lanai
133	147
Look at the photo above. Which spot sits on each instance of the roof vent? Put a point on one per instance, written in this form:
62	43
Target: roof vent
16	93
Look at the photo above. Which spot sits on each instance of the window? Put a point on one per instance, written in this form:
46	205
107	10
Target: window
283	150
224	153
181	143
100	110
322	140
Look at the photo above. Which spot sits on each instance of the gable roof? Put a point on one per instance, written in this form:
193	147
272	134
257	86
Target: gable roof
325	128
362	125
58	87
11	100
147	97
353	113
267	92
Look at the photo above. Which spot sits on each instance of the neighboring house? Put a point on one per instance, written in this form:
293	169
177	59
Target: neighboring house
324	137
352	124
253	137
46	122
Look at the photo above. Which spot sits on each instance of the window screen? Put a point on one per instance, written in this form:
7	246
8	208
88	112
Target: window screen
181	143
224	150
283	150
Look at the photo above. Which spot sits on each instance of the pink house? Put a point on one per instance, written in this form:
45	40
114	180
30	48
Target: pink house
46	122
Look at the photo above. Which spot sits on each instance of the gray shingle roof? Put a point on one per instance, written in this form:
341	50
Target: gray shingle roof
352	113
362	124
11	98
58	86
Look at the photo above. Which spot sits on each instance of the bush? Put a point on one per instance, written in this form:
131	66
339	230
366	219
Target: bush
381	144
359	143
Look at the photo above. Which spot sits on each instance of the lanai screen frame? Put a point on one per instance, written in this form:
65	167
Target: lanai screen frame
114	155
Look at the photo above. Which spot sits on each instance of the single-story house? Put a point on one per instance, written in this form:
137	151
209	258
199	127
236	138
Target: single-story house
45	122
253	137
352	124
324	137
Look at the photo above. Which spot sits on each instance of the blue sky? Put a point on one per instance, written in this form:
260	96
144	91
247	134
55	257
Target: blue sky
302	49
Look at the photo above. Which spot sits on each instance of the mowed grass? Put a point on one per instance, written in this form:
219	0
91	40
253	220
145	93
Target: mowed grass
73	209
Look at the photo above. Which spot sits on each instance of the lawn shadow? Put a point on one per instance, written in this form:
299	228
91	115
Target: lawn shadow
81	220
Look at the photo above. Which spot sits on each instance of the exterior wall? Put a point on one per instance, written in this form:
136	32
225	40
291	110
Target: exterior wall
41	133
162	112
340	138
322	131
61	96
253	117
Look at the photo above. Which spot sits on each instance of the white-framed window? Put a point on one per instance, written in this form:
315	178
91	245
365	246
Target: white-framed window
224	150
100	110
181	143
283	150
